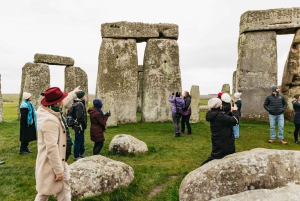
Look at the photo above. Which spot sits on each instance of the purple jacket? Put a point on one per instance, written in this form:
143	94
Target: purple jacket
179	103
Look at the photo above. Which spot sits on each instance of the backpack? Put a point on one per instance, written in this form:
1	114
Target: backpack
71	117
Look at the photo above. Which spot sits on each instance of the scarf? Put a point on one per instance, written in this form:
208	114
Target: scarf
31	116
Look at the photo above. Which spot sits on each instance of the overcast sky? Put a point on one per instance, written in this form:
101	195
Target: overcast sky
208	35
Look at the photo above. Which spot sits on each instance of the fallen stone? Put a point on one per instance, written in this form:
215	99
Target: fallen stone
123	144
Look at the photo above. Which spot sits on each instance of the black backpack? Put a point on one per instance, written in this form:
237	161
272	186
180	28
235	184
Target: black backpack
71	117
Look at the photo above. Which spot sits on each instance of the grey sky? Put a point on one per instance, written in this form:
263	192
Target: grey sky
208	35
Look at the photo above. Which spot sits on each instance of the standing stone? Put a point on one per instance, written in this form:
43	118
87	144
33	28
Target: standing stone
290	85
35	80
195	101
256	71
234	82
161	78
226	88
1	103
109	105
140	88
117	74
74	77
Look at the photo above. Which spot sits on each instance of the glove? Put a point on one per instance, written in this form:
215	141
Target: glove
173	94
107	114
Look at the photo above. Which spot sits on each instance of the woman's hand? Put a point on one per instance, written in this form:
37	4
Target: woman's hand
77	90
234	107
59	177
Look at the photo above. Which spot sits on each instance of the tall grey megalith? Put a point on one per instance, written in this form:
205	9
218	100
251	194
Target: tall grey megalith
195	101
118	74
161	78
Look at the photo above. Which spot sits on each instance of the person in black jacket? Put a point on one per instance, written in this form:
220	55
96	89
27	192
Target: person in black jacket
275	104
185	119
79	112
296	120
222	117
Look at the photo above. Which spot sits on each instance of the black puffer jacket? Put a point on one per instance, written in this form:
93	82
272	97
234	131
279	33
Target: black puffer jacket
296	106
222	136
275	105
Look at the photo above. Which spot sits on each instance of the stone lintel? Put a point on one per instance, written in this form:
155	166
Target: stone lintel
282	20
138	30
53	59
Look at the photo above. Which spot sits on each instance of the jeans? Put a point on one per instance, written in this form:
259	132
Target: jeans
79	143
280	120
186	120
236	130
176	121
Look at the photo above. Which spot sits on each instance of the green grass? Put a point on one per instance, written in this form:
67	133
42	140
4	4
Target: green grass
165	165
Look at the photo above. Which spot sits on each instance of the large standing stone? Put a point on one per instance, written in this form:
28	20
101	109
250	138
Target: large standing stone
35	80
195	102
74	77
117	74
226	88
234	80
109	105
283	20
291	76
1	103
249	170
97	175
161	78
53	59
140	88
256	71
138	30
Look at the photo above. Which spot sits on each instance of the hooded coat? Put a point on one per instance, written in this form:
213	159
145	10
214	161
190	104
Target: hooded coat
97	125
222	136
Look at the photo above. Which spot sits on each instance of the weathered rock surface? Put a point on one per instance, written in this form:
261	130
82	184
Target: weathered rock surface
53	59
74	77
290	84
287	193
109	105
195	101
140	87
234	80
256	71
161	78
283	20
35	79
138	30
97	174
226	88
124	144
255	169
118	74
1	103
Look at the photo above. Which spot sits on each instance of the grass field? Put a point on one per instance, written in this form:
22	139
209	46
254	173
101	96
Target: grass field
158	173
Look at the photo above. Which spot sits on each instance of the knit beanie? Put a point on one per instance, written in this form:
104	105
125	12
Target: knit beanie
226	98
214	103
97	103
237	95
26	95
80	94
220	94
274	88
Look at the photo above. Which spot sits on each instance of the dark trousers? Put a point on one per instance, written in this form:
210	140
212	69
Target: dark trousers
24	146
97	147
186	120
79	143
296	132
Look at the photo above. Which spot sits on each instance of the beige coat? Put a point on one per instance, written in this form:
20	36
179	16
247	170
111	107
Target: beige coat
52	142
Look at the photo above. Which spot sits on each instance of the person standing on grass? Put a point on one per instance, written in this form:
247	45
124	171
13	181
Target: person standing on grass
222	117
185	119
178	102
238	102
296	120
81	117
27	123
98	125
275	104
51	170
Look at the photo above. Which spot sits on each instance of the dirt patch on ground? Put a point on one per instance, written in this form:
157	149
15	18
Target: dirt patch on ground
156	190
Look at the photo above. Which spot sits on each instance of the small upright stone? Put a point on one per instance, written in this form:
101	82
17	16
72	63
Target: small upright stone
195	94
226	88
53	59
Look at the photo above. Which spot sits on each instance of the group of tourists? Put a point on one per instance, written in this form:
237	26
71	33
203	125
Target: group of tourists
54	137
181	110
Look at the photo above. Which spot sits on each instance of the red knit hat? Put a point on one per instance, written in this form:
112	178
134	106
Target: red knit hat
220	94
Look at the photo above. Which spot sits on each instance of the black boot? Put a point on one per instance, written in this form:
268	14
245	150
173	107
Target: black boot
176	135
